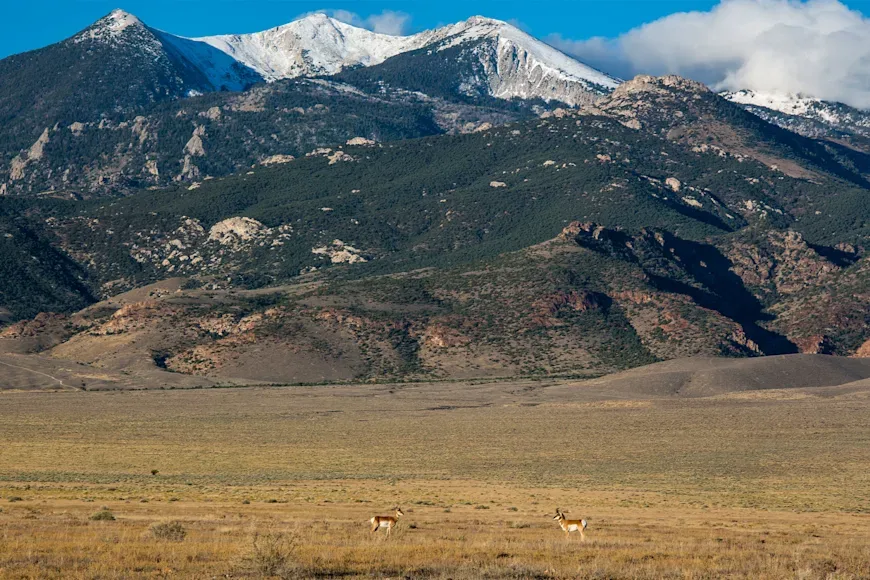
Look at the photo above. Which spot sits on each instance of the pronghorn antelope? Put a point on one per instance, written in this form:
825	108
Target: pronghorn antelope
386	521
569	526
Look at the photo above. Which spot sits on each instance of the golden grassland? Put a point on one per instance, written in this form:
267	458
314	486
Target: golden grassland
746	487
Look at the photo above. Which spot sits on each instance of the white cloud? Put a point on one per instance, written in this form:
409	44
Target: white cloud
816	47
389	22
386	22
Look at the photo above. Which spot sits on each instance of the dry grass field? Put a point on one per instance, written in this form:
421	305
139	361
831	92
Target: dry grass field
282	481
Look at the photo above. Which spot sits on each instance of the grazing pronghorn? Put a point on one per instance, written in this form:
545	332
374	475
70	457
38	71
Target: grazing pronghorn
569	526
386	521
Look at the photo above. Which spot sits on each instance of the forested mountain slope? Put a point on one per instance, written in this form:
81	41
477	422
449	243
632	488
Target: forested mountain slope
664	222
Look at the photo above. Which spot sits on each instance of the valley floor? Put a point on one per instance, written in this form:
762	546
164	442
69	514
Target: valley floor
760	484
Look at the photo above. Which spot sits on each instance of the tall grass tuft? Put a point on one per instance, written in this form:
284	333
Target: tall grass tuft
170	531
271	554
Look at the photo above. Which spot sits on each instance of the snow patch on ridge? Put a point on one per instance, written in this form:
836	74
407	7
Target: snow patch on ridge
818	113
782	102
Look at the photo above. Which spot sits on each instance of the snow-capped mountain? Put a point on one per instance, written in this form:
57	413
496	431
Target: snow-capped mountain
195	64
120	41
803	114
517	65
519	52
114	67
507	63
311	46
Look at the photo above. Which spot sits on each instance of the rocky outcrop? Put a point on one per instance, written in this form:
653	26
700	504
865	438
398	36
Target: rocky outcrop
574	229
334	156
440	336
194	146
277	160
863	350
35	153
654	103
43	322
235	231
340	253
784	264
361	141
816	344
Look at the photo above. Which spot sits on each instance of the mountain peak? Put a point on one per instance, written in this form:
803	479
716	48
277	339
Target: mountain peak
118	20
315	19
120	15
652	84
110	26
484	21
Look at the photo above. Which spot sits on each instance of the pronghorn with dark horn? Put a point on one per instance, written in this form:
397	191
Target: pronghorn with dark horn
386	521
569	526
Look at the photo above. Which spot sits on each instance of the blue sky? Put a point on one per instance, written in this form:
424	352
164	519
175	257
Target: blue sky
30	24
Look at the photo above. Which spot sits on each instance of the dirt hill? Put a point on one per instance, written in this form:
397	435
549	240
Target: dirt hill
708	376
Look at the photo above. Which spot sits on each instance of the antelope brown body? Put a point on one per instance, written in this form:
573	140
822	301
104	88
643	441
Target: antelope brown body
386	521
569	526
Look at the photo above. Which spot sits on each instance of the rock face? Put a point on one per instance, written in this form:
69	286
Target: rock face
642	101
41	323
35	153
663	255
863	350
195	146
784	264
512	71
277	159
360	141
340	253
235	230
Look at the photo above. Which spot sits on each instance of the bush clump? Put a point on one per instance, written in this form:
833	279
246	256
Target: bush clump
270	554
104	515
170	531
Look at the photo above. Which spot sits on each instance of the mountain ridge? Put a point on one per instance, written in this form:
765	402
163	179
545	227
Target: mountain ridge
807	115
319	45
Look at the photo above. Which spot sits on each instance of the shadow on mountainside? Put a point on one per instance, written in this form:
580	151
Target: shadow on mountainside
697	270
723	291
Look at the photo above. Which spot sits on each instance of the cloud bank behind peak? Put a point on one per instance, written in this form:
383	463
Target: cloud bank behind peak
819	48
386	22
